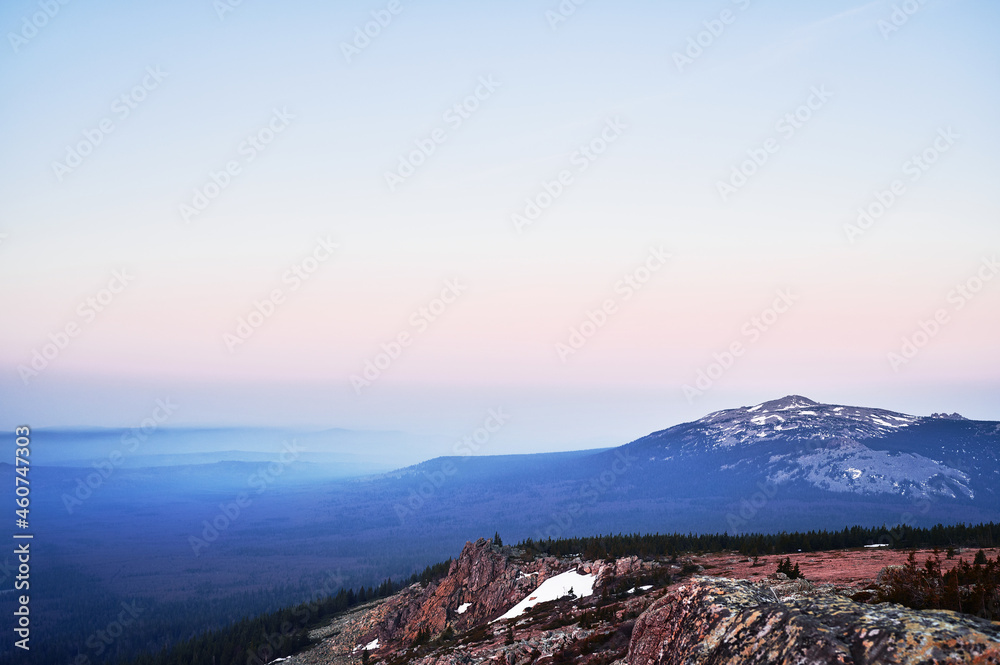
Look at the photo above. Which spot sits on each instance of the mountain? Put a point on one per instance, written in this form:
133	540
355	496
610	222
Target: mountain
789	463
345	453
865	458
843	448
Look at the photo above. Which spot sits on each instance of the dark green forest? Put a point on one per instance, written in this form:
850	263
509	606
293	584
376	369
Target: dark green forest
751	544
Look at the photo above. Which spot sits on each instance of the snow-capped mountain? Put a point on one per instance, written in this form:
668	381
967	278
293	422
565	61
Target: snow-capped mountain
837	448
791	418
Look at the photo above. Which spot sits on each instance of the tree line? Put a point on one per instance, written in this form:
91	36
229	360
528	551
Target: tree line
752	544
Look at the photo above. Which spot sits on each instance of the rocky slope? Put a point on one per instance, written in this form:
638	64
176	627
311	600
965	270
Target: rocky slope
639	613
714	620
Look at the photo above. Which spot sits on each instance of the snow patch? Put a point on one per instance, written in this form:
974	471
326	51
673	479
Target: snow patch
463	607
552	589
371	646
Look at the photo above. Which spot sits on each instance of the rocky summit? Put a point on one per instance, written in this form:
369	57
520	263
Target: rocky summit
500	605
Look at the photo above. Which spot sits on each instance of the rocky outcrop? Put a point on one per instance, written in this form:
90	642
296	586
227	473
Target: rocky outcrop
484	582
715	621
641	614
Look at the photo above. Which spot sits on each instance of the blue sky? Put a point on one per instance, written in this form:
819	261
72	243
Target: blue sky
656	185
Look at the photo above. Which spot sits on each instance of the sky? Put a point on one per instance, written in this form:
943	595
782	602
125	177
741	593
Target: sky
602	218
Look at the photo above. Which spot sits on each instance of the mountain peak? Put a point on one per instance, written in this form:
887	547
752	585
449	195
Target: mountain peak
786	402
791	418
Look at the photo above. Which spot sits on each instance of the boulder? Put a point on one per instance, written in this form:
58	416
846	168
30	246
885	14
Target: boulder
714	621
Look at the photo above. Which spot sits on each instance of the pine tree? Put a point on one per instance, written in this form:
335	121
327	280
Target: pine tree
788	569
496	539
